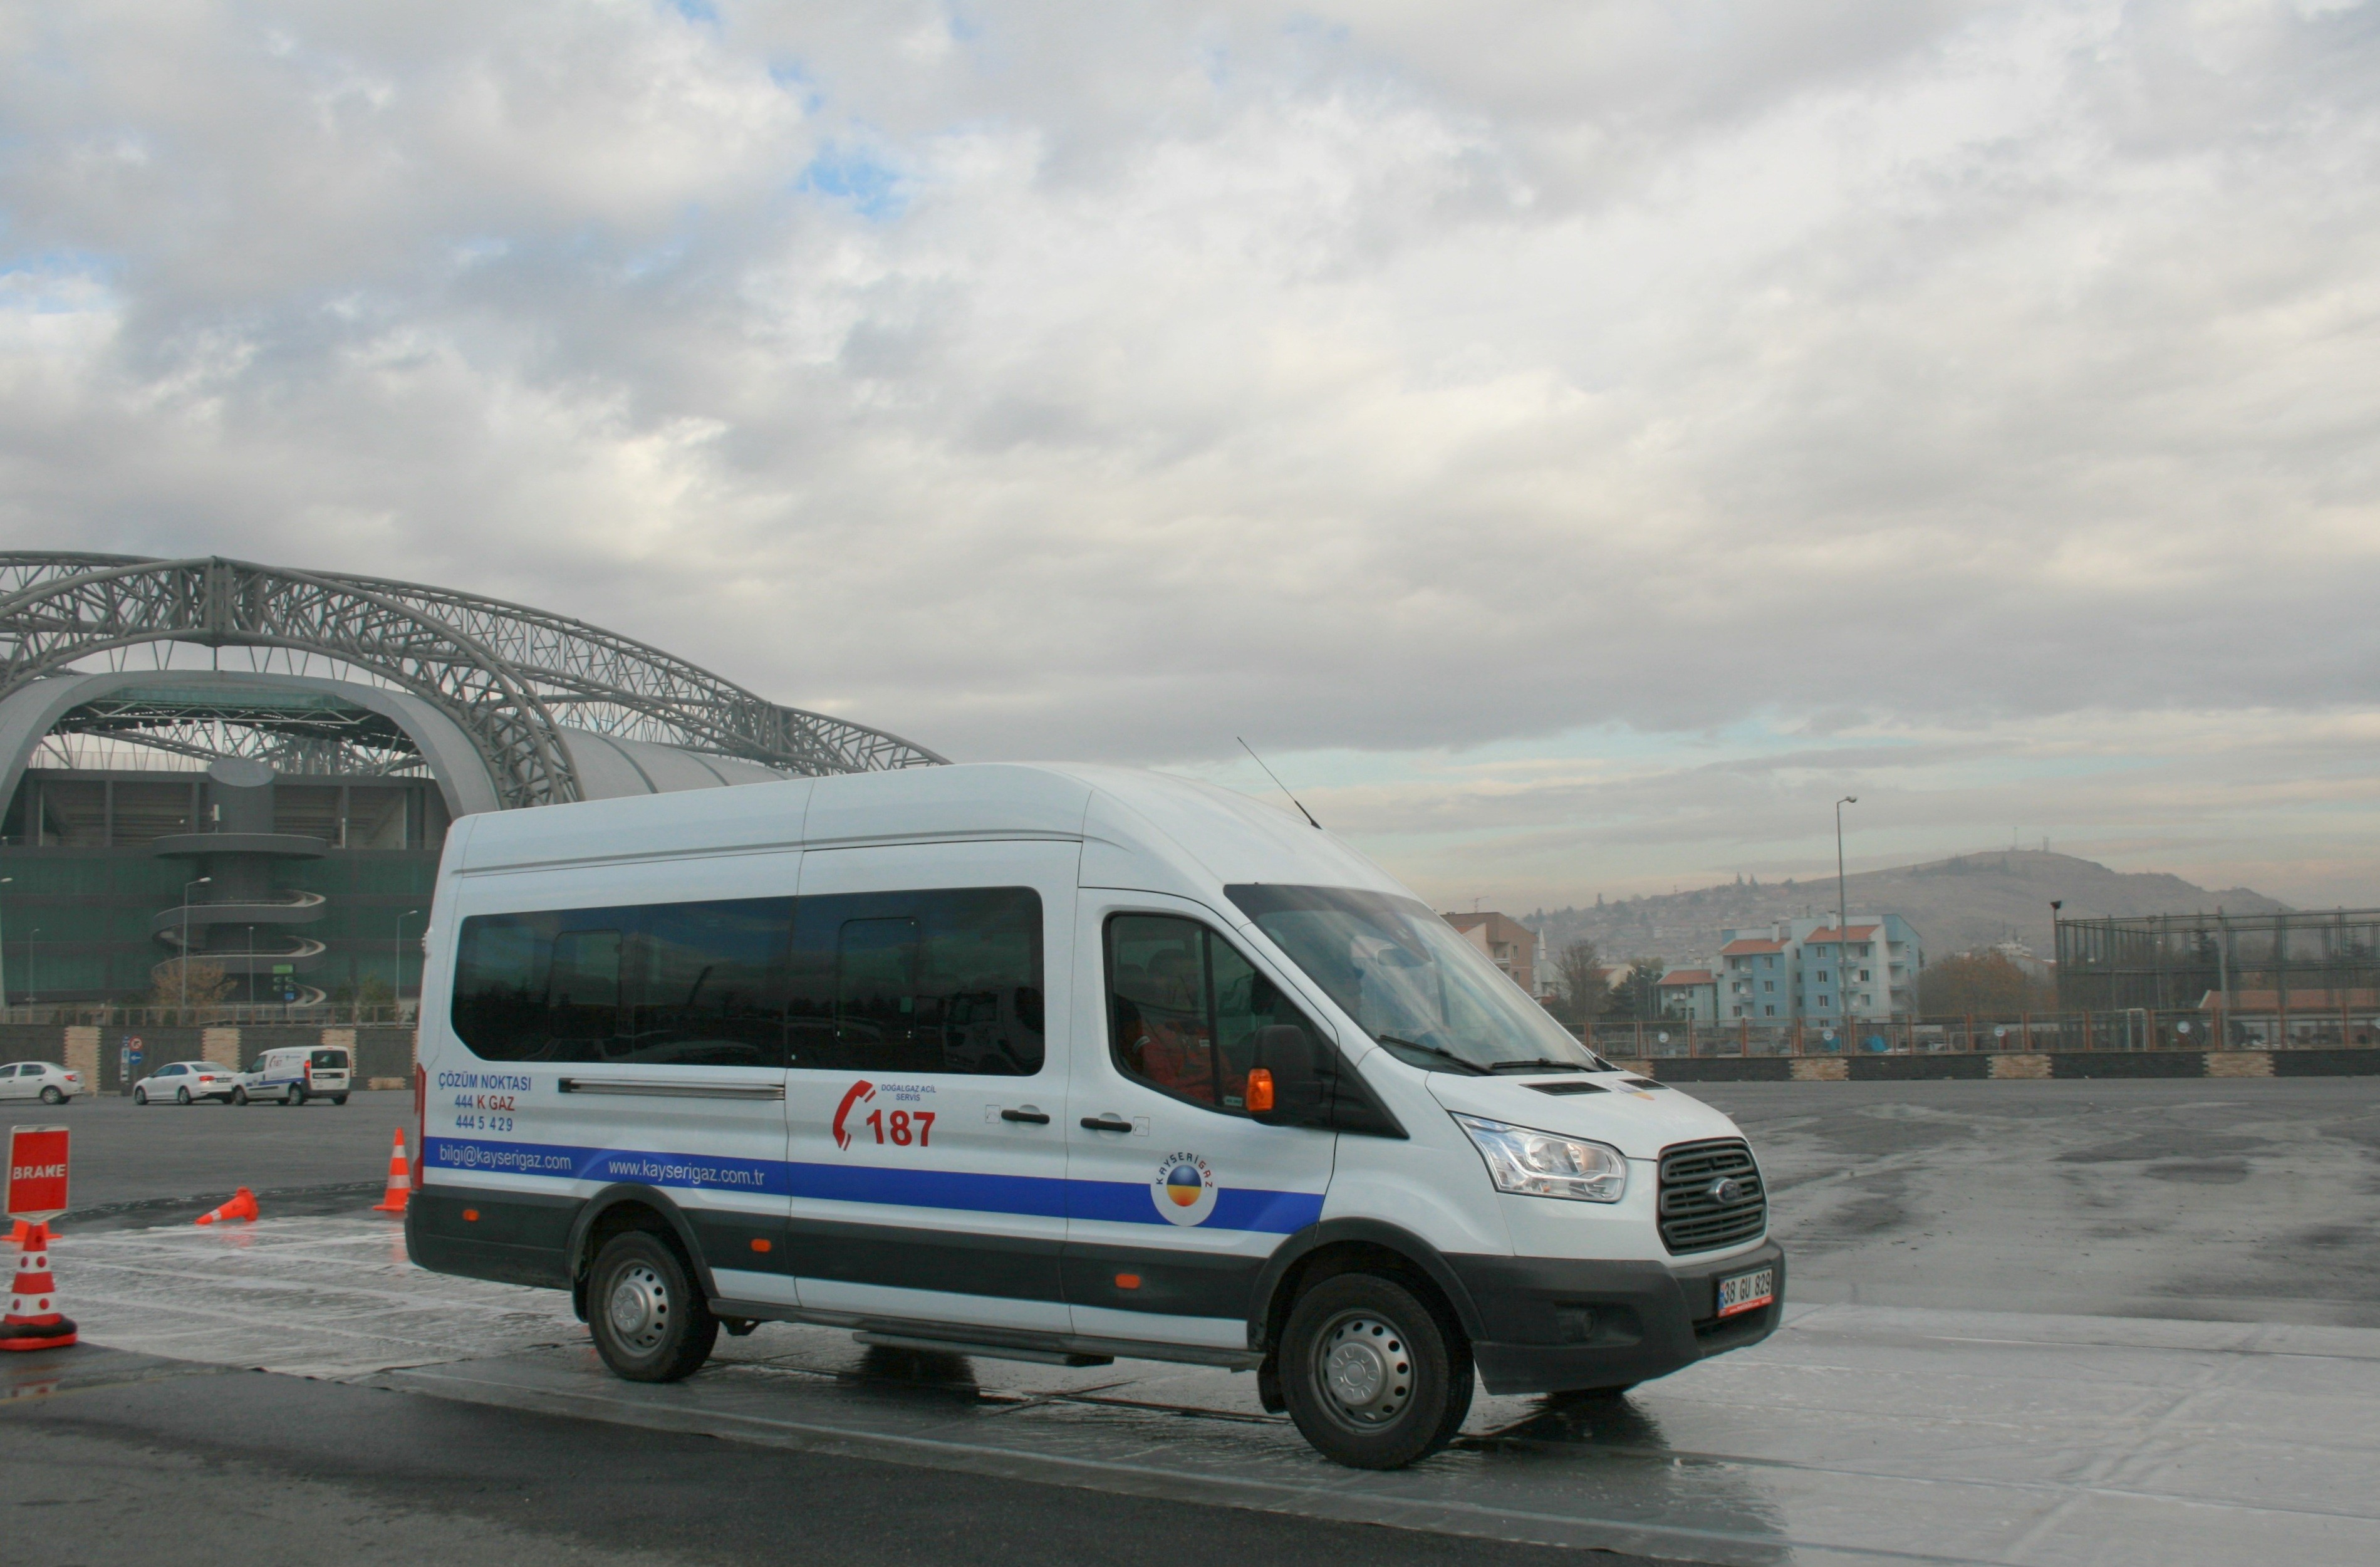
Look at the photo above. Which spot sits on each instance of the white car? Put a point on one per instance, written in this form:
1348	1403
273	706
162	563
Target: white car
42	1080
183	1081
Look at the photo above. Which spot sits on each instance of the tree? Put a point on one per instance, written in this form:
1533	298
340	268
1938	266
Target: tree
1638	993
191	982
371	994
1984	984
1583	990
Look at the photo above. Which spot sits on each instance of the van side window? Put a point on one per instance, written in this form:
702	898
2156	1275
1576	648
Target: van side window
1184	1008
672	984
929	981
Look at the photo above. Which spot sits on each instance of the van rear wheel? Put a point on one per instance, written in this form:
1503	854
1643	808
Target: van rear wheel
1373	1377
649	1320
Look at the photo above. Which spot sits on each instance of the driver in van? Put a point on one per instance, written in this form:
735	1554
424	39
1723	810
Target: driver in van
1162	1018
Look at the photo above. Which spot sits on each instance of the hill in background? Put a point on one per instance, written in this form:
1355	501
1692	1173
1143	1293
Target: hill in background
1968	901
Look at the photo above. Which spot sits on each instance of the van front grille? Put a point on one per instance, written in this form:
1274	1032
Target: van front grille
1698	1212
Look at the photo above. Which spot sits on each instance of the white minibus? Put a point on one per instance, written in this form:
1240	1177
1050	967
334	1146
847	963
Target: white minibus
1059	1064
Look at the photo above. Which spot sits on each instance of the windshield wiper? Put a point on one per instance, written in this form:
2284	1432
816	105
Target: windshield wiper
1542	1063
1448	1056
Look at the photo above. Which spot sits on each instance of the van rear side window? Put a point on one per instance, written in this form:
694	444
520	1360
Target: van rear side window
676	984
329	1060
937	981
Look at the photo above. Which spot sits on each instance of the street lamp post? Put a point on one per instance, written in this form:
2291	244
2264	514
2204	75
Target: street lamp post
184	1014
396	955
4	953
1843	919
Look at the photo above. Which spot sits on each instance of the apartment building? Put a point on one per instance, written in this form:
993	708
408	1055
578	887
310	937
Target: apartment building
1690	993
1510	945
1810	971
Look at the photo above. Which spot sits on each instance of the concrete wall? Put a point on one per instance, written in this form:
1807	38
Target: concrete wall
384	1053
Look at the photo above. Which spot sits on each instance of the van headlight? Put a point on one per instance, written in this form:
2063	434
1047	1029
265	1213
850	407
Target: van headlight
1539	1164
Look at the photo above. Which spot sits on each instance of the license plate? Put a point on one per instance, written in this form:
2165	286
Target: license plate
1746	1290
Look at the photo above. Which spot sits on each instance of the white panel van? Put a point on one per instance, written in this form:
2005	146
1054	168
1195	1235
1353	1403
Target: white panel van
1053	1063
296	1074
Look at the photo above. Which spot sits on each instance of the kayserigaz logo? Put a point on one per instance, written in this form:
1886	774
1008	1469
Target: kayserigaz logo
1184	1189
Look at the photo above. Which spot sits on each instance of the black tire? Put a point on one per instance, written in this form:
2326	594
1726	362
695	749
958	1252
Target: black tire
648	1315
297	1095
139	1095
1374	1378
50	1094
339	1098
181	1096
239	1096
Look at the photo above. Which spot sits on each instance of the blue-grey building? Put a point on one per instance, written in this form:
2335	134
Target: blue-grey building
1808	971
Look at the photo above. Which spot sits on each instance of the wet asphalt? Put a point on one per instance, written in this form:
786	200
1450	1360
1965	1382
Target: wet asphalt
135	1163
2252	1200
2247	1201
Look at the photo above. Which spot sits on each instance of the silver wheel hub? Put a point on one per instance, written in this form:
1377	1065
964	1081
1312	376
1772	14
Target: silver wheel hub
639	1308
1366	1369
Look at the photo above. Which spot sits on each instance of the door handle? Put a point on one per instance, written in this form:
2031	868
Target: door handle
1033	1117
1106	1123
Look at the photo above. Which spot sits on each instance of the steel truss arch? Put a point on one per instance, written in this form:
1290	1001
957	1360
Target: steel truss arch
503	671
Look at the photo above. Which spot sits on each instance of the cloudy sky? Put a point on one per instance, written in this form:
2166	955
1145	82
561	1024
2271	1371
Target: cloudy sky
1576	441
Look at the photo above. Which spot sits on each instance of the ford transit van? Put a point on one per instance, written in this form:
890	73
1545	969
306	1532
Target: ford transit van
296	1074
1060	1063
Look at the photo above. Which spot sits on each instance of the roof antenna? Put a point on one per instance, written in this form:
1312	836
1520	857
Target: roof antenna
1280	785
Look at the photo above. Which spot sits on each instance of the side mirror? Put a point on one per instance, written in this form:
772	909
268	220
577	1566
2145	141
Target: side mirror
1289	1083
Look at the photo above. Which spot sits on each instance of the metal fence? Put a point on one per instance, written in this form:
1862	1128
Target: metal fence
2307	961
2131	1028
103	1015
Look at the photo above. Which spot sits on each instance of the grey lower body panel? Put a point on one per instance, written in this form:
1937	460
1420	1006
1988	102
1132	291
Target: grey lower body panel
1561	1324
974	1339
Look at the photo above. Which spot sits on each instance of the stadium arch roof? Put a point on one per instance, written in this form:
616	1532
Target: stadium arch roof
505	705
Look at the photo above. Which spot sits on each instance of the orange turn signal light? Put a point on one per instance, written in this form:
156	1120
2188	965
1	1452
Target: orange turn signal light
759	1244
470	1216
1127	1281
1259	1094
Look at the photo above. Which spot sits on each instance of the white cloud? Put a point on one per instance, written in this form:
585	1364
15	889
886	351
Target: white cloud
1385	382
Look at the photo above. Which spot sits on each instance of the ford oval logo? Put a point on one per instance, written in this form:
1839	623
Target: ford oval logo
1727	1189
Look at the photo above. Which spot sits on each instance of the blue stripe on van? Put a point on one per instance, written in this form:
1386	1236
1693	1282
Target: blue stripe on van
1129	1202
1114	1202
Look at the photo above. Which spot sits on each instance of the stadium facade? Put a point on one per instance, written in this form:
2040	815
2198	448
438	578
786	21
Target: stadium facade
259	766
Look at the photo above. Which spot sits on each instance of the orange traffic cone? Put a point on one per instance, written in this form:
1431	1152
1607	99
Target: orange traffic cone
33	1321
400	1179
242	1205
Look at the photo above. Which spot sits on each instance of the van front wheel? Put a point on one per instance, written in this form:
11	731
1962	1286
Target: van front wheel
649	1320
1373	1378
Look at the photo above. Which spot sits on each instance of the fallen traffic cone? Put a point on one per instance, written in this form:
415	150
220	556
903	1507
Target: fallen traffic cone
400	1179
33	1321
242	1205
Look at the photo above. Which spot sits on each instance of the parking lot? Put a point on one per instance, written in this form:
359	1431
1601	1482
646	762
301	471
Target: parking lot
169	1157
2031	1322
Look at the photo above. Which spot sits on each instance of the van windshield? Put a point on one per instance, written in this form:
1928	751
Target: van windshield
1429	997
